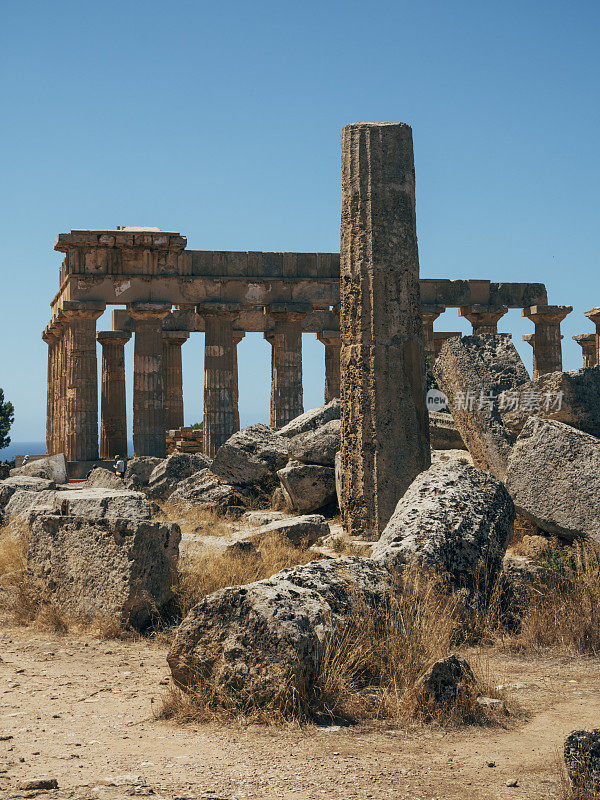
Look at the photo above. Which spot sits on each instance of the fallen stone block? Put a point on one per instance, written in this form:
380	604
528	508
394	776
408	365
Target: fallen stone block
101	478
554	478
446	684
262	640
448	456
455	520
304	530
317	446
52	468
165	477
105	567
250	456
315	418
473	372
443	433
582	760
207	490
88	503
138	471
307	487
569	397
10	485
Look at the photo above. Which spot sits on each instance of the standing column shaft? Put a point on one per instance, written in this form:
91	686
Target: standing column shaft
270	337
587	342
286	390
484	319
219	414
594	316
237	338
113	411
51	338
149	437
547	348
385	431
331	340
173	377
81	380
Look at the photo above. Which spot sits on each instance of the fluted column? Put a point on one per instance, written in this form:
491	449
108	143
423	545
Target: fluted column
587	342
547	349
173	377
113	412
385	430
286	379
594	316
81	379
148	386
237	338
219	413
269	336
331	340
439	337
484	319
429	313
52	336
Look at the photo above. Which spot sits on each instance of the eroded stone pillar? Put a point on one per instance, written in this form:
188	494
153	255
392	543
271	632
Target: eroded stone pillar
173	377
547	349
484	319
148	381
331	340
594	316
219	413
81	370
237	338
286	376
113	410
439	337
429	314
385	431
587	342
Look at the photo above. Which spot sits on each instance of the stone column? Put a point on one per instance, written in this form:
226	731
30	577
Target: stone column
51	336
81	369
219	413
173	377
286	377
587	342
331	340
484	319
439	337
148	385
594	316
237	338
547	350
269	336
385	430
429	314
113	412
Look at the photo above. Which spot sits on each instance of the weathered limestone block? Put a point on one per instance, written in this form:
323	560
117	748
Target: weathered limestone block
472	372
51	468
582	759
205	489
105	567
89	503
250	456
455	520
317	446
101	478
305	530
315	418
385	435
169	473
569	397
254	640
554	478
446	683
138	471
307	487
443	432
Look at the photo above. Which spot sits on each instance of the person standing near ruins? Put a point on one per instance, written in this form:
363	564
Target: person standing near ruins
120	467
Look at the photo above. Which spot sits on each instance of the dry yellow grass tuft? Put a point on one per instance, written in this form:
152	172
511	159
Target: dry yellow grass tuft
196	520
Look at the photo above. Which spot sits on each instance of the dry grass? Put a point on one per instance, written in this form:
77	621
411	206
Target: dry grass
196	520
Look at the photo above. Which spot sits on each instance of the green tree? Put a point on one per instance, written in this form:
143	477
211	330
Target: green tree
7	417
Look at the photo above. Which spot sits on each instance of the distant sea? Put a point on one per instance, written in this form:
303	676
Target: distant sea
22	449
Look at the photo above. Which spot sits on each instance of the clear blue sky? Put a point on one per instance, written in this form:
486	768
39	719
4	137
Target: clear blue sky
223	121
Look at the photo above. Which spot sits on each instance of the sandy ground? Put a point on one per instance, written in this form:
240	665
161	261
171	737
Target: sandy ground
81	711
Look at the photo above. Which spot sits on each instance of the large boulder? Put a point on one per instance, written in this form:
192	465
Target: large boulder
89	503
319	445
262	640
250	456
569	397
473	372
554	478
447	684
165	477
51	468
105	567
208	491
101	478
455	520
138	471
315	418
307	487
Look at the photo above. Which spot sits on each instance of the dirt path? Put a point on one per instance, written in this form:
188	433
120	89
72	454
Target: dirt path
79	710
